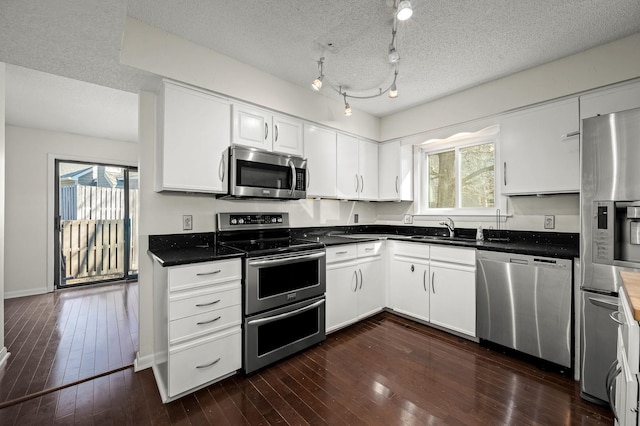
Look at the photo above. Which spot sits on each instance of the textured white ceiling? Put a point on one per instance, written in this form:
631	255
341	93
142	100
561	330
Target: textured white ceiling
447	46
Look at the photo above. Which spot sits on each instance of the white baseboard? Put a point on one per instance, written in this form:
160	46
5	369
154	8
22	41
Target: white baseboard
4	356
23	293
142	363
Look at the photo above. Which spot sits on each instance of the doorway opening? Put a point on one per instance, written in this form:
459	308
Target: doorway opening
96	223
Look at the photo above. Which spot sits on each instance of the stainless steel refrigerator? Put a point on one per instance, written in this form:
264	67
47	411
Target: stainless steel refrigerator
609	236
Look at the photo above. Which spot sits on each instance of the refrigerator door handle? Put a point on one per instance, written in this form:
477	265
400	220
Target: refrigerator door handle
603	304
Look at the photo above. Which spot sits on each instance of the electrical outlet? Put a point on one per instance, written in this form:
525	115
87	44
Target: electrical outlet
355	218
549	222
408	219
187	222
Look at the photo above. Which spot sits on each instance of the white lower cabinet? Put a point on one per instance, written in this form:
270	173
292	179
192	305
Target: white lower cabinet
197	325
355	283
453	289
434	283
408	279
623	380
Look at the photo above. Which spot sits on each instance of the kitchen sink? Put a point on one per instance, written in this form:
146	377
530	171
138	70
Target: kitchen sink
442	238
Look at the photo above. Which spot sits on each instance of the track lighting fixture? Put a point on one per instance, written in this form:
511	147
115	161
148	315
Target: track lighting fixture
402	12
317	83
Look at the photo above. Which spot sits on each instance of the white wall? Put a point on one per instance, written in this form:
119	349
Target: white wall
29	199
3	349
593	68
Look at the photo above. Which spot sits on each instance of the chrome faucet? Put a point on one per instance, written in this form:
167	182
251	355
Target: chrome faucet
450	226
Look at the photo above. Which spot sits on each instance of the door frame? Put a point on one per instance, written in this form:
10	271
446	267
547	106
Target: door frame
51	202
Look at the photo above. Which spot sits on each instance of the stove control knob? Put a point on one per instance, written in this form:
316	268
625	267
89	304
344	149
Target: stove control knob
279	220
234	221
274	220
240	221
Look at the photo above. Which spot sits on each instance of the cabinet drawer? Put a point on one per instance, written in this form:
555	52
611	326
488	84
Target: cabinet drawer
197	302
203	361
341	253
199	325
462	256
417	250
196	275
369	249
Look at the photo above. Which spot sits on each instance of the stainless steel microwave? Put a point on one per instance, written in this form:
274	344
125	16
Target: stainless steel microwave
260	174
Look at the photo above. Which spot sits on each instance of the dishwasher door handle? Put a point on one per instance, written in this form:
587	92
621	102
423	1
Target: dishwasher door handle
518	261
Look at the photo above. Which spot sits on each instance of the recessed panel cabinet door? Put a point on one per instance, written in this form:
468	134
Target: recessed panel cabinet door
453	299
287	135
371	287
342	301
252	127
368	168
194	135
539	150
348	175
408	288
320	152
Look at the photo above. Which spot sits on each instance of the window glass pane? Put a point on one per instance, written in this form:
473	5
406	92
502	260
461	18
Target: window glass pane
442	180
476	175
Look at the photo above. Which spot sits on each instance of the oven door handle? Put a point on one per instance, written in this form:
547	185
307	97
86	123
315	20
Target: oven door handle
282	261
286	314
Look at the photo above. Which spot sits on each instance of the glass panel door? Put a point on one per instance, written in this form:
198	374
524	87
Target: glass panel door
96	223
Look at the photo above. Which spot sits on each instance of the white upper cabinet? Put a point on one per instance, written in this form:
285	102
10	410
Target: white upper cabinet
539	150
357	168
615	99
320	152
194	133
258	128
395	172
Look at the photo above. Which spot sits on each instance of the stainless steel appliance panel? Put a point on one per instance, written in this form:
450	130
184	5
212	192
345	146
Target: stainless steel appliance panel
260	174
278	333
598	344
277	280
610	172
524	303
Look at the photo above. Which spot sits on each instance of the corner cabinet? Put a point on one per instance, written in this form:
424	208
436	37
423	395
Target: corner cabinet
355	283
320	152
193	135
395	172
539	150
357	168
197	325
258	128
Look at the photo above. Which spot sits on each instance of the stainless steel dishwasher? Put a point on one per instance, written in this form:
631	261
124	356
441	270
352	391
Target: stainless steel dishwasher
525	303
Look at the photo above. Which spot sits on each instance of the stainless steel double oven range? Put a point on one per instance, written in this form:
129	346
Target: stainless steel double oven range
284	283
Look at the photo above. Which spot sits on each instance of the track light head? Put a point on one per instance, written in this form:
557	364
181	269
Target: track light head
317	83
404	10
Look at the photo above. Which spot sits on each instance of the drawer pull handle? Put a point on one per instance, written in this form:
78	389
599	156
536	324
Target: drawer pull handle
368	249
208	365
208	273
199	305
341	252
209	322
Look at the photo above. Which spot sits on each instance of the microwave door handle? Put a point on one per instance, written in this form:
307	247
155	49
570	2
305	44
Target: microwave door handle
293	177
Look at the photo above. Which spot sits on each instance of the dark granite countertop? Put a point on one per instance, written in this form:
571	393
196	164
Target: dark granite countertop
182	249
549	244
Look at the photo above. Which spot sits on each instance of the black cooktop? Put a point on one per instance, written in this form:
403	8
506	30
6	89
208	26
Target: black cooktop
268	246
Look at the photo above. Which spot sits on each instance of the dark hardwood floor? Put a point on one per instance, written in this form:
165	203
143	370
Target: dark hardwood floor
384	370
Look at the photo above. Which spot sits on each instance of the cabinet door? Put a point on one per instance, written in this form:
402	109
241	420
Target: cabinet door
348	177
320	152
287	135
342	302
452	301
193	141
539	149
368	169
408	292
371	286
395	172
252	127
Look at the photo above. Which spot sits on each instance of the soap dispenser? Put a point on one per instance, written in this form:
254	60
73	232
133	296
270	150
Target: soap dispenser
479	234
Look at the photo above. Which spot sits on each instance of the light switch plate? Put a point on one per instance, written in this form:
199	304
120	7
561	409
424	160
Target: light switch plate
549	222
187	222
408	219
